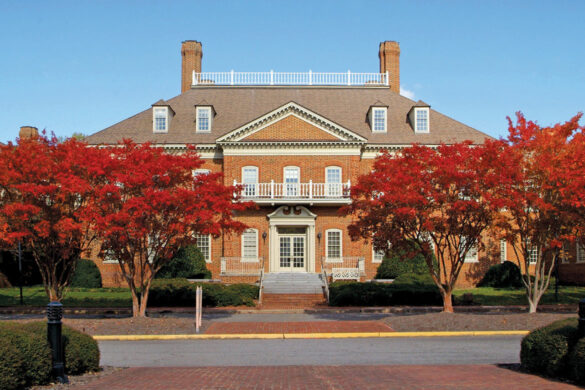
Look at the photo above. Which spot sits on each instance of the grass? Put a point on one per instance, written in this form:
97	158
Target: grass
490	296
74	297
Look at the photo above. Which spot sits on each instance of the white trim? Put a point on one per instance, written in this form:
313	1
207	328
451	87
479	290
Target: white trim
167	118
334	259
197	237
292	150
374	261
210	119
384	110
503	251
275	115
253	259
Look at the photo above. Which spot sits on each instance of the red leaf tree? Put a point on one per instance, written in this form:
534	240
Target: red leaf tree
537	180
47	191
430	197
153	205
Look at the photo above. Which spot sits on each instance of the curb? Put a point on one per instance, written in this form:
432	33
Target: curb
266	336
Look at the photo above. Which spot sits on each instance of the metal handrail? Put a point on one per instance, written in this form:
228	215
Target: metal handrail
325	280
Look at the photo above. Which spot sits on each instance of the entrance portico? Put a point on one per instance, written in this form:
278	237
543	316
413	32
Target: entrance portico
292	240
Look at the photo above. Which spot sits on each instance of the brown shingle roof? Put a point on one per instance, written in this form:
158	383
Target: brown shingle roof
236	106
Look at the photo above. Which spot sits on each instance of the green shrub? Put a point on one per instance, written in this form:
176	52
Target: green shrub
12	367
577	362
82	353
86	274
396	264
545	350
188	262
407	289
504	275
34	350
179	292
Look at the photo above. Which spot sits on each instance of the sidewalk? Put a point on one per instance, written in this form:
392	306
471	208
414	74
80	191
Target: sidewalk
462	377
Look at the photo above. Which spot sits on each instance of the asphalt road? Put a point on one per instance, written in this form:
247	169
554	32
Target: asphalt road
418	350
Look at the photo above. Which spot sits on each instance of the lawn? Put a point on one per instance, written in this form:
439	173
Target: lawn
490	296
74	297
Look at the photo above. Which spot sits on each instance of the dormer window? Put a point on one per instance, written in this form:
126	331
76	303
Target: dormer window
160	119
204	119
421	120
378	119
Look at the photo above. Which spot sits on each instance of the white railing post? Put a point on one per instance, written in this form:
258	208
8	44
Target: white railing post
310	77
348	77
194	79
387	81
310	189
232	77
271	189
271	77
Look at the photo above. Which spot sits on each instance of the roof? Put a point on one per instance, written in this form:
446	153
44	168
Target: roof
237	106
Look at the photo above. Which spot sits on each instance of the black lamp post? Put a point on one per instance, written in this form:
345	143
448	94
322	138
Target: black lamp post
582	318
54	315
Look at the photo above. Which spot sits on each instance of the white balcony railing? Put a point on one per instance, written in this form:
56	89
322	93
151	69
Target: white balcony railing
291	78
270	192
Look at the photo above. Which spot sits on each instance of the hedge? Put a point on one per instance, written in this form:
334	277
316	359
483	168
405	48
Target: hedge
25	354
86	274
188	262
504	275
407	289
555	350
180	292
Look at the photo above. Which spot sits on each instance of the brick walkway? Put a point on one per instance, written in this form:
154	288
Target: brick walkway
466	377
297	327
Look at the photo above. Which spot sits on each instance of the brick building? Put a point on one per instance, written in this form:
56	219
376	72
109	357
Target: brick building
296	141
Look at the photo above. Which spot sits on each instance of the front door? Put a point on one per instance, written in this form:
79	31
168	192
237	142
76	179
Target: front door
292	250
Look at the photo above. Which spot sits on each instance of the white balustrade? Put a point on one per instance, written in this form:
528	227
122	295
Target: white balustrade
241	266
344	268
304	191
290	78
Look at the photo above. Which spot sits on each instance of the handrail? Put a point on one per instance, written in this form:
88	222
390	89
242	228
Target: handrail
261	286
325	280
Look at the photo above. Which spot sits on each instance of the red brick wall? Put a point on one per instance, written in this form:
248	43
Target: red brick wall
292	128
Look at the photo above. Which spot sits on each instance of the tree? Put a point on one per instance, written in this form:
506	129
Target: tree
153	205
536	170
430	197
47	191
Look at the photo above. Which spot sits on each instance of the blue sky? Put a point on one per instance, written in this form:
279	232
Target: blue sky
80	66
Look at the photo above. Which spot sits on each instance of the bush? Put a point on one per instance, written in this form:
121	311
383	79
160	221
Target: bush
577	362
34	353
179	292
82	353
407	289
396	264
545	350
86	274
504	275
188	262
12	368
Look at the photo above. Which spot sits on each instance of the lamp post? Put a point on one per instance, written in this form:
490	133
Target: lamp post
582	318
54	315
20	272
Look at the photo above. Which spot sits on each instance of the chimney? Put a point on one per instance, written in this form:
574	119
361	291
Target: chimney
191	54
28	132
390	62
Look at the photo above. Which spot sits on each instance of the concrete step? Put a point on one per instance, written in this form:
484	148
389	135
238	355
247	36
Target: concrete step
292	283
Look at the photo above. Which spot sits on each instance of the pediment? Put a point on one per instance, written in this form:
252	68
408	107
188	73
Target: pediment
291	123
287	212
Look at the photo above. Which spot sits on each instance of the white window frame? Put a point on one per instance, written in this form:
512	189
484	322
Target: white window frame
472	255
377	256
334	259
503	251
209	118
198	172
579	252
109	258
249	259
565	255
533	254
384	112
289	189
415	120
333	188
165	112
250	188
206	256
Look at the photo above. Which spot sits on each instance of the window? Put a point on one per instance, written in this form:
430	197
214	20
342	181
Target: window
250	245
161	119
378	119
533	252
471	256
503	251
198	172
333	245
110	257
333	181
580	253
292	177
203	242
377	256
203	119
250	180
564	255
421	120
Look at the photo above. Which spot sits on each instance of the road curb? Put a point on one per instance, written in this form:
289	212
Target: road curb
266	336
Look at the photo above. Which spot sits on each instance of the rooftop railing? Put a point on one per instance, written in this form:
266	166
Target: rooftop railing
291	78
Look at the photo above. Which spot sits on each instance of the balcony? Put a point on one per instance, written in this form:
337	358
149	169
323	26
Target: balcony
291	78
299	193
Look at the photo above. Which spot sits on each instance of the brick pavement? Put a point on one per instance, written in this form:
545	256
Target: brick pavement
461	377
297	327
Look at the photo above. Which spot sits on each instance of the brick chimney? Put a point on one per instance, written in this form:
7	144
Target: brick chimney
191	54
28	132
390	61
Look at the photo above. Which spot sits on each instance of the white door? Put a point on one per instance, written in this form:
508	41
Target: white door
292	250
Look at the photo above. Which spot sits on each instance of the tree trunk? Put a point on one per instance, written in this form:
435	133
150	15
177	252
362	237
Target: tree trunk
135	303
532	306
143	301
447	301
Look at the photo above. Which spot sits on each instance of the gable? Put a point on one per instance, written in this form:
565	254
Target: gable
291	128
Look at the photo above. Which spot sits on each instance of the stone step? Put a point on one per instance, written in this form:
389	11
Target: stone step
292	301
